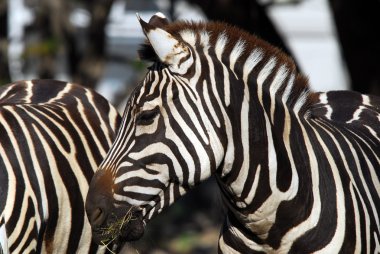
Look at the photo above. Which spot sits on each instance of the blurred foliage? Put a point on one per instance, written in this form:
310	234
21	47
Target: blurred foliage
139	65
42	48
4	72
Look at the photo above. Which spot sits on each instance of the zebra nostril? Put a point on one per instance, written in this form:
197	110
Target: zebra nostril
97	217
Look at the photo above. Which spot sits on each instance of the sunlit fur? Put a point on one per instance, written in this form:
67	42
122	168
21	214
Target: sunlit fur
298	171
53	136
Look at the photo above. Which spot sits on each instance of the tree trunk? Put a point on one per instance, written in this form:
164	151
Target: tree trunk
357	24
4	68
90	65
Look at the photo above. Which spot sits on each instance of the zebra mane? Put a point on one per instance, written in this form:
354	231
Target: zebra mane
300	92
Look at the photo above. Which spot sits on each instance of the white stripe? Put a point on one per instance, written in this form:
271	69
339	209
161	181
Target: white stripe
142	91
219	49
189	36
209	104
373	133
154	83
377	243
276	84
288	89
253	189
328	111
227	87
366	100
323	98
254	58
356	115
5	92
220	45
61	93
3	237
204	39
263	75
29	92
141	173
235	54
300	101
358	243
126	199
145	190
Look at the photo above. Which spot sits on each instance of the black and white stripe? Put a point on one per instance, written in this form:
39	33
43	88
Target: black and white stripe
298	171
53	135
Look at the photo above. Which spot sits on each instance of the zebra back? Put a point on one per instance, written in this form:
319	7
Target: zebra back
53	135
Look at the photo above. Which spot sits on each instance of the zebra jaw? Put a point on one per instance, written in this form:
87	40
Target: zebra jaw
168	49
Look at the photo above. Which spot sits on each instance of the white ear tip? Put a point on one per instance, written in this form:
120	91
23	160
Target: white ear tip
138	16
161	15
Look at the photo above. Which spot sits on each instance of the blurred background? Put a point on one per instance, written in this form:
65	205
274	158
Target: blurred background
94	42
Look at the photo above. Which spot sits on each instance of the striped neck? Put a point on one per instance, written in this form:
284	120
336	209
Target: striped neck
251	93
258	95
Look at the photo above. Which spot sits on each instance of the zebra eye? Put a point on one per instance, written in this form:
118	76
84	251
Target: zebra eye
146	117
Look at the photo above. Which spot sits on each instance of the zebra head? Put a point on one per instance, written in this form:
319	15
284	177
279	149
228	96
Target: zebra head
167	142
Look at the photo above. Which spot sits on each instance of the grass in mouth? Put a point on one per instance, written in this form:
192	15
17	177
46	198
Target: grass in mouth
113	230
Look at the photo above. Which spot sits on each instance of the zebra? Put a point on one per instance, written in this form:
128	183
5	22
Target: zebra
298	171
53	136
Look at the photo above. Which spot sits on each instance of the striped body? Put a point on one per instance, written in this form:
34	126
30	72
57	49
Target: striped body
298	171
53	135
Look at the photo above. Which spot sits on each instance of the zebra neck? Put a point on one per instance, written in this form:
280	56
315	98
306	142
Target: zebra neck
257	175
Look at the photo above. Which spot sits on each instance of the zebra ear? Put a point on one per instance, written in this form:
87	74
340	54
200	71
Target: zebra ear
168	49
158	20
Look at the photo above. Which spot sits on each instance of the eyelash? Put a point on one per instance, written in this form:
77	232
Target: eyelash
146	117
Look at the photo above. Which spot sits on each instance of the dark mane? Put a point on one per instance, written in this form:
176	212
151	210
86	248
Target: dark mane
146	53
234	34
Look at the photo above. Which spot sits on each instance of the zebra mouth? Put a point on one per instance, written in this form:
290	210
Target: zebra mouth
119	230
